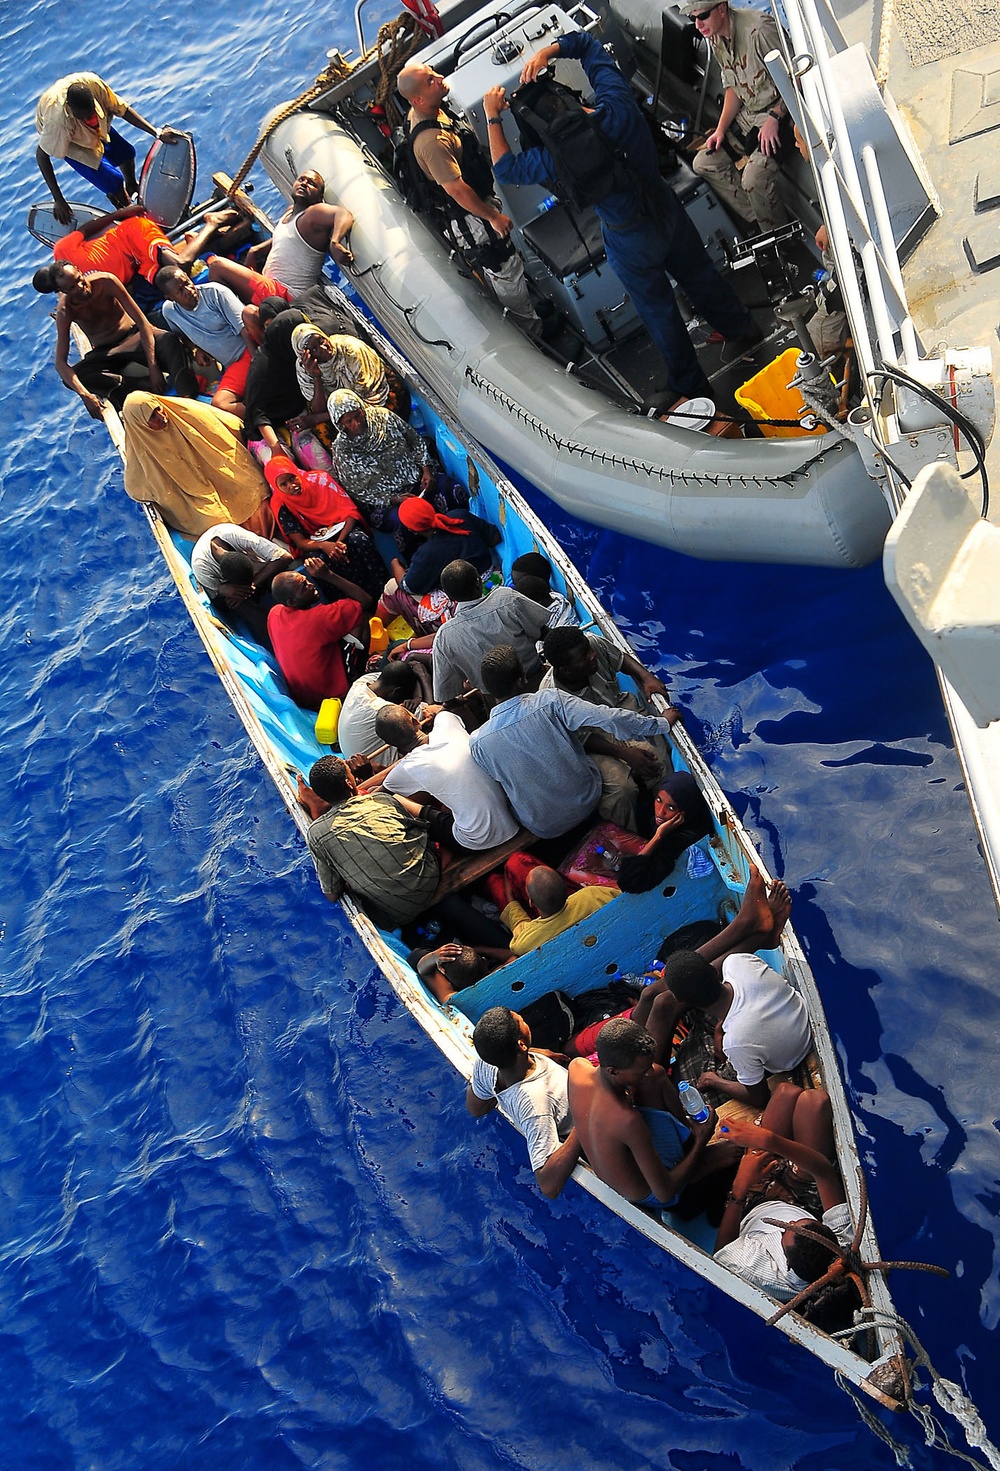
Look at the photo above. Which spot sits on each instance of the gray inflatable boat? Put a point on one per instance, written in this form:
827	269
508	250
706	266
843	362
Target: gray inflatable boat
576	422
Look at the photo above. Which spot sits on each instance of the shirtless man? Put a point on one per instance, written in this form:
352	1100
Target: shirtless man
120	335
307	232
631	1124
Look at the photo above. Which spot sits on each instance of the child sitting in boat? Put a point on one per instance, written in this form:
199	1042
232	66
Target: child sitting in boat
530	1089
631	1123
680	817
764	1021
531	574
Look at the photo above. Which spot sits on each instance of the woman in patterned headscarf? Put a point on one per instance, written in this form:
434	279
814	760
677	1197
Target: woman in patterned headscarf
378	459
324	364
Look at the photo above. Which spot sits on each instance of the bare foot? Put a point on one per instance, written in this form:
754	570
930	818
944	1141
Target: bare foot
755	912
222	217
779	902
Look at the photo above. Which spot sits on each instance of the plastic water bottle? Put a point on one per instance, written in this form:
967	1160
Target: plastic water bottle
695	1106
611	856
547	204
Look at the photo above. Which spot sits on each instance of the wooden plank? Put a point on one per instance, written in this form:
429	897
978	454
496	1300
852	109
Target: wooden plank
465	871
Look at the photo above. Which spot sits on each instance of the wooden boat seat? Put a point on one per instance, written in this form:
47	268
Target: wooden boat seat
465	870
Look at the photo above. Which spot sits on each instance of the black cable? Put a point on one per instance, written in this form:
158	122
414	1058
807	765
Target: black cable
972	435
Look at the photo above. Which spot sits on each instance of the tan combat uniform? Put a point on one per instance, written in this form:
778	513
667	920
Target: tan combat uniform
754	188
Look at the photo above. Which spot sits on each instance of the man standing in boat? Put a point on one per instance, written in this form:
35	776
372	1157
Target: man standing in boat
448	157
648	236
753	113
73	121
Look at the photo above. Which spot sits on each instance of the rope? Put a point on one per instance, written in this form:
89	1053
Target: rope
867	1414
334	72
816	407
397	41
949	1396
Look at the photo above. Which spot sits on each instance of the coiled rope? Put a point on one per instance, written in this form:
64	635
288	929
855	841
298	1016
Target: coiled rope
396	42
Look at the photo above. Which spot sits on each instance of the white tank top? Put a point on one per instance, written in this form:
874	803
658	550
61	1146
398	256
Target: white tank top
291	261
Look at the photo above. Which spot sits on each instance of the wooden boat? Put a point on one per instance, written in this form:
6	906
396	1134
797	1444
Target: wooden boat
621	938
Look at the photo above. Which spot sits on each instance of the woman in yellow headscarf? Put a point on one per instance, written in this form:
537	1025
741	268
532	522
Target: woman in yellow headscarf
189	461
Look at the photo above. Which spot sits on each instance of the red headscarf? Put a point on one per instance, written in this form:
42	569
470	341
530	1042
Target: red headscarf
321	502
419	515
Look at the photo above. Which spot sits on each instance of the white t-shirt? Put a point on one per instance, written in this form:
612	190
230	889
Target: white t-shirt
757	1254
238	539
356	726
445	769
766	1029
538	1108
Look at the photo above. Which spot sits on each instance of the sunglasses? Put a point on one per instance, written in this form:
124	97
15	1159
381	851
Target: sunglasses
704	14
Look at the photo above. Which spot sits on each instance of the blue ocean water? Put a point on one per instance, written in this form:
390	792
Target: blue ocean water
244	1218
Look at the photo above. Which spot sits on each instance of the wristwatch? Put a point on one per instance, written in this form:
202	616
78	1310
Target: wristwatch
495	122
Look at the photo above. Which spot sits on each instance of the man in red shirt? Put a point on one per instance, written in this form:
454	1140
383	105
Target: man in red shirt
306	633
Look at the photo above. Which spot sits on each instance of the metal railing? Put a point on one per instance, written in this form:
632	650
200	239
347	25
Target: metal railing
881	325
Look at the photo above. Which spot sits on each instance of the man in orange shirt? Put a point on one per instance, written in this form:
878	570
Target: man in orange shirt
128	243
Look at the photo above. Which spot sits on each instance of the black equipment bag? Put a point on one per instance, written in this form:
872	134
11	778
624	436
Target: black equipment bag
588	166
421	194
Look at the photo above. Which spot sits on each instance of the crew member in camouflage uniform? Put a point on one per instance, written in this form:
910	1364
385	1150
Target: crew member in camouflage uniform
741	39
